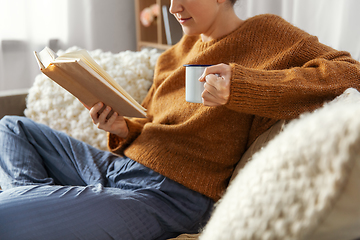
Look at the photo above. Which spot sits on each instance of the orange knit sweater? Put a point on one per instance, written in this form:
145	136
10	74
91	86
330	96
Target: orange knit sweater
278	72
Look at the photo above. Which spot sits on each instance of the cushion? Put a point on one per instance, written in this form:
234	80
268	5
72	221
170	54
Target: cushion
257	145
50	104
304	184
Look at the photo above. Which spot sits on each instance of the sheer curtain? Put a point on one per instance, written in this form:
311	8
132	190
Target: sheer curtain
334	22
28	25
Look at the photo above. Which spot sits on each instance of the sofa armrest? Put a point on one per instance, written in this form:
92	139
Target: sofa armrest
12	102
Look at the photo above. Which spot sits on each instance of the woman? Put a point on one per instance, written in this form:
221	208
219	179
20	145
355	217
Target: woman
177	162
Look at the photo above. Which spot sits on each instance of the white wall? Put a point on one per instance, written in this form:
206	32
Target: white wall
27	26
110	26
335	22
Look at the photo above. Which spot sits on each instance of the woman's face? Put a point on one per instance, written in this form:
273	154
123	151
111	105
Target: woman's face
198	16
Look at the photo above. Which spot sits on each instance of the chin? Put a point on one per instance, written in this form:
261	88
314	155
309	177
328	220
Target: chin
190	32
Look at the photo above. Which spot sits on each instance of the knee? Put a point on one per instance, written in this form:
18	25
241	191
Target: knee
10	119
10	122
6	120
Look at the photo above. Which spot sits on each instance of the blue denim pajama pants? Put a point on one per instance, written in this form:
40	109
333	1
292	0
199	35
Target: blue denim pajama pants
56	187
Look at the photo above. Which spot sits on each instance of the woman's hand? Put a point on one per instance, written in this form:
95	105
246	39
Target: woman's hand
108	120
217	85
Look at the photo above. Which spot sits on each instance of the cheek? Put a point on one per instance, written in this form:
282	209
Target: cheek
200	11
204	15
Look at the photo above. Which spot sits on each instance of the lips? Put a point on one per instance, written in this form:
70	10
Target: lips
183	20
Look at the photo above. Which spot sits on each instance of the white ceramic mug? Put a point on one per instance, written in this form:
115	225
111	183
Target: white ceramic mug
193	87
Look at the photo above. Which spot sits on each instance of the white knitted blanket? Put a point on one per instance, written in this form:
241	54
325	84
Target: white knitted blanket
50	104
293	187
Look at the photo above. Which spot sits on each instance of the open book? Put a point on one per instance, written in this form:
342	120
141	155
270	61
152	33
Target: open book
78	73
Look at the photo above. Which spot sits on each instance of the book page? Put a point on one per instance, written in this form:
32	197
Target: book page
45	57
79	74
90	88
90	62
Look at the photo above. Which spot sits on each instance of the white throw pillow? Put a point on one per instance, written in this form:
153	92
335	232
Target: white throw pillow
51	105
305	184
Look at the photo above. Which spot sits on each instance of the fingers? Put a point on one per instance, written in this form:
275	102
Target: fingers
220	69
94	111
217	85
104	114
112	118
217	90
108	120
101	114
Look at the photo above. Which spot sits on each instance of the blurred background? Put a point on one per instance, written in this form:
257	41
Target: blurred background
28	25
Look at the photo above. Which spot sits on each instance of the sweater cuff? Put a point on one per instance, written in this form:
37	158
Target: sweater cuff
255	92
117	144
236	99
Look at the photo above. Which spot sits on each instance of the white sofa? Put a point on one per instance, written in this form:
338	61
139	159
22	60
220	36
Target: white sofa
304	184
297	181
12	102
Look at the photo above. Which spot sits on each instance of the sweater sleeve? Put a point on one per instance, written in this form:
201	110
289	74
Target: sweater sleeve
117	144
323	74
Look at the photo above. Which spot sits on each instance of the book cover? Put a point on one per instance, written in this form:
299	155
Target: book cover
80	75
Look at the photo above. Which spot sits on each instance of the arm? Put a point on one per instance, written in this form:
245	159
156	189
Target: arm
316	74
104	118
121	131
284	94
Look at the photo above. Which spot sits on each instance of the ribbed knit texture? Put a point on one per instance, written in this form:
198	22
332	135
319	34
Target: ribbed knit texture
303	185
278	72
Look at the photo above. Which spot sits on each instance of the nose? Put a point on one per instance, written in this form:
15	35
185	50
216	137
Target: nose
175	7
